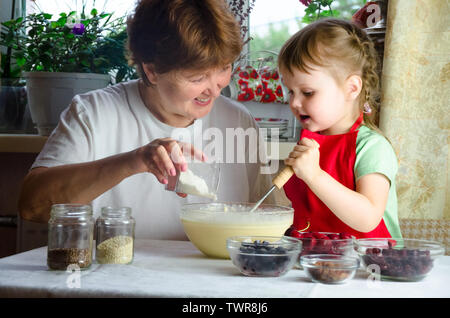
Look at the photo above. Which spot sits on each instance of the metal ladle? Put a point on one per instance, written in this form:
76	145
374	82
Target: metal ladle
278	182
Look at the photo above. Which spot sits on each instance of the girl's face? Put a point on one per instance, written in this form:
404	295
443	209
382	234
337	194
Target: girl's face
186	95
318	102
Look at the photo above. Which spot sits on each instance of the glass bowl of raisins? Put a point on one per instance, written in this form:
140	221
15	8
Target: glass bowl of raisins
399	259
329	268
266	256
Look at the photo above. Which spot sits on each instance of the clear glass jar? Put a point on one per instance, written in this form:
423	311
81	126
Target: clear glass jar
114	236
70	236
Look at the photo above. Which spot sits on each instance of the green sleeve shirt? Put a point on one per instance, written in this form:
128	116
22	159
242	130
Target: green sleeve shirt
374	154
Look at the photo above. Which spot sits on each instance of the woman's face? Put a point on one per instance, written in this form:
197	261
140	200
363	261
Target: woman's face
186	95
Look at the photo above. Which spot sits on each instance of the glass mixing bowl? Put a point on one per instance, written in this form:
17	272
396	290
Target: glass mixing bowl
208	225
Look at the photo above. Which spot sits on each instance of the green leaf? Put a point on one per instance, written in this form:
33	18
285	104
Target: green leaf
62	21
311	9
20	61
94	12
8	24
47	16
307	19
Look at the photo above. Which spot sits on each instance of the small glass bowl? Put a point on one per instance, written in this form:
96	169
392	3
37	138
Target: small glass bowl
329	269
266	256
201	179
325	243
397	258
322	243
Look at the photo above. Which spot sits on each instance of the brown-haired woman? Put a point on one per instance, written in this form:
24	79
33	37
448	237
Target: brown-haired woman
110	144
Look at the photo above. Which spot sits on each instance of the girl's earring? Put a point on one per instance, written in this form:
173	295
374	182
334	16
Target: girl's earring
367	109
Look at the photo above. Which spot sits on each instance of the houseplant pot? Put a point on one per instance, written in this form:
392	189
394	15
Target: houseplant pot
13	101
49	93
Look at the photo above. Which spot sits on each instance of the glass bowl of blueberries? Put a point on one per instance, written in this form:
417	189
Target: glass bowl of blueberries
399	259
264	256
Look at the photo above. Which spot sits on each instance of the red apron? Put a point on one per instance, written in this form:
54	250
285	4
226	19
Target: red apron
337	158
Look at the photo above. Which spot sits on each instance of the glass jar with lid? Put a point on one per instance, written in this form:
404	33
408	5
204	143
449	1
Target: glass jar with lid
114	236
70	236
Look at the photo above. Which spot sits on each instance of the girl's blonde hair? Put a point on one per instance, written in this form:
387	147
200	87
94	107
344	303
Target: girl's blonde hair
341	47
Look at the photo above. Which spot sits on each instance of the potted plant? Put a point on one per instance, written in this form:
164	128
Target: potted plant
63	57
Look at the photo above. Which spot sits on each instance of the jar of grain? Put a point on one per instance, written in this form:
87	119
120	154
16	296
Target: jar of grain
70	236
114	236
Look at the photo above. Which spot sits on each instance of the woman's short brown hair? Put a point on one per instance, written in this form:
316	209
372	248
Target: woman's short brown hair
182	34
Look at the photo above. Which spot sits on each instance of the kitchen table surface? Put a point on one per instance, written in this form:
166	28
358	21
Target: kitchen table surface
178	269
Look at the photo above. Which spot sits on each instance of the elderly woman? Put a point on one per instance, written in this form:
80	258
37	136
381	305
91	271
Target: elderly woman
118	146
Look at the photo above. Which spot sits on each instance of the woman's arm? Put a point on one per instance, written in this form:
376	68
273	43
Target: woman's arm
73	183
83	182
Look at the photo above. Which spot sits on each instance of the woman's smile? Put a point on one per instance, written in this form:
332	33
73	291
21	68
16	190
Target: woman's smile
202	101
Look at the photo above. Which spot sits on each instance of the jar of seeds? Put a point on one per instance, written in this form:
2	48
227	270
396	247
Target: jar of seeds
114	236
70	236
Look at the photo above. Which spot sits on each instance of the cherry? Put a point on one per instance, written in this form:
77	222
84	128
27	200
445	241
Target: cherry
289	231
306	235
320	236
345	236
333	236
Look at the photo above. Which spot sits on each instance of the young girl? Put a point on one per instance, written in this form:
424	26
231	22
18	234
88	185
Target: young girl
344	167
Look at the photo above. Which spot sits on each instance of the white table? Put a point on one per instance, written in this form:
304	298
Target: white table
177	269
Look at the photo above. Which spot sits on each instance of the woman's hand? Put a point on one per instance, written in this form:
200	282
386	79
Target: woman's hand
304	159
163	157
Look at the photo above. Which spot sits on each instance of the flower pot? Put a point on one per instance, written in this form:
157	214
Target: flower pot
49	93
13	101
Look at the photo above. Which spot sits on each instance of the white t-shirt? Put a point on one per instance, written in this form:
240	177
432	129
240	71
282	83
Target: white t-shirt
114	120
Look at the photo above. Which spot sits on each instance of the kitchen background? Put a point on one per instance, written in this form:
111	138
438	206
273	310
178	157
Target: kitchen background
414	112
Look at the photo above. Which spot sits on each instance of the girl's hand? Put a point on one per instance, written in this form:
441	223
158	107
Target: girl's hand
304	159
163	157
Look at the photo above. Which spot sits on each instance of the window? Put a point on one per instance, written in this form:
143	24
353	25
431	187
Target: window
271	22
118	7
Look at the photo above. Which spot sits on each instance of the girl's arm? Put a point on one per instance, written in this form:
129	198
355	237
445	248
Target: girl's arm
362	209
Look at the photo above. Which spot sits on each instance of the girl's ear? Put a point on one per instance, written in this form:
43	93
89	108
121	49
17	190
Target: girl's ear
353	87
149	70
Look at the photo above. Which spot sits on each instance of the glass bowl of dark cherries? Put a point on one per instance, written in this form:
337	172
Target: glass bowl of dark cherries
263	256
399	259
